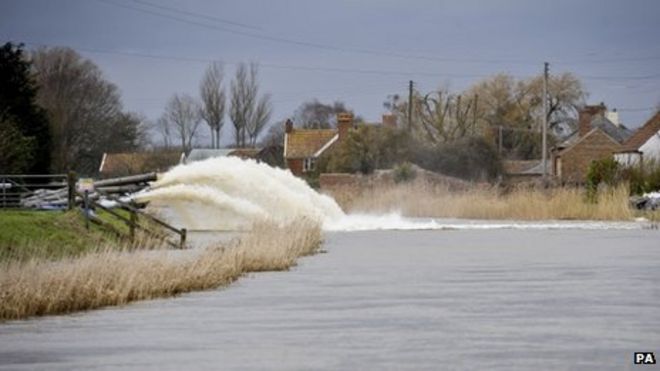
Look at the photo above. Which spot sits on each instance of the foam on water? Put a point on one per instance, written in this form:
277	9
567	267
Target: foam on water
229	193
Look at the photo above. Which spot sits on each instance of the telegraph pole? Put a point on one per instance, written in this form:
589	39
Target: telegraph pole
410	104
544	145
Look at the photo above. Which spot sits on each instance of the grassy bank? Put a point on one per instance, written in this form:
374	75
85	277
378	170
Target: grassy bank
110	277
422	199
47	234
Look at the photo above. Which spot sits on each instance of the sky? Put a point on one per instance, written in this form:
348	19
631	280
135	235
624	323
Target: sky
358	52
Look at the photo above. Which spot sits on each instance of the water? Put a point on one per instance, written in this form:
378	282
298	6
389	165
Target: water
496	299
229	193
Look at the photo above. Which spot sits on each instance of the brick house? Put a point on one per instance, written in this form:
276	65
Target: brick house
597	138
133	163
643	145
303	147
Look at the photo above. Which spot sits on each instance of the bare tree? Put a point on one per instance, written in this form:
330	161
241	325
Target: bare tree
317	115
248	112
213	101
446	117
163	127
83	108
260	118
182	114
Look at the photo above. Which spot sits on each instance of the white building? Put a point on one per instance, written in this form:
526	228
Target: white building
643	145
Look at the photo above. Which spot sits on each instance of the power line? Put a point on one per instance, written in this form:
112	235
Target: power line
274	65
334	47
307	43
197	15
335	69
636	109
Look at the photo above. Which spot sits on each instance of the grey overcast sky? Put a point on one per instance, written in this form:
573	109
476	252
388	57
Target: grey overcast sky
358	52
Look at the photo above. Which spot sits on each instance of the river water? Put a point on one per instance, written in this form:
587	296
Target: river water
494	299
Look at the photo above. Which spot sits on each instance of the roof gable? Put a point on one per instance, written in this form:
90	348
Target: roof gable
592	132
617	132
303	143
128	163
643	134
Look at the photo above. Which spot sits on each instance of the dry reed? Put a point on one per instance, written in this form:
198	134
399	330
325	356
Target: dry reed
111	277
423	199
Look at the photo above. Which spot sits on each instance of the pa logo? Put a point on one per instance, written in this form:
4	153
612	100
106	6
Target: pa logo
644	358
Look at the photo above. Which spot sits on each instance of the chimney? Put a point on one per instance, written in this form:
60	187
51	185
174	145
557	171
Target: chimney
389	120
344	123
586	115
613	116
288	126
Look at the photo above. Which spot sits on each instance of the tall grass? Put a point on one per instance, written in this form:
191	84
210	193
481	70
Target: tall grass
111	277
424	199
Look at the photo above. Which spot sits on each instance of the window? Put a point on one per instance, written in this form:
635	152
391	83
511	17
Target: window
309	164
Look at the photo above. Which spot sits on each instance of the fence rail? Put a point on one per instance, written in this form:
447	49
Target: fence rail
58	191
16	188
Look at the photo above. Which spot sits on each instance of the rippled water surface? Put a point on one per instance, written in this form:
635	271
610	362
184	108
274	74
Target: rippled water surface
438	299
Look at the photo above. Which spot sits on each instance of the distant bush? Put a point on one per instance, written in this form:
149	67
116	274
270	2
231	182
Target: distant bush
369	148
641	178
372	147
404	172
468	158
606	171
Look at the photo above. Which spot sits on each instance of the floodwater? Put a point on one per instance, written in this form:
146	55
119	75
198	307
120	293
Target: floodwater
495	299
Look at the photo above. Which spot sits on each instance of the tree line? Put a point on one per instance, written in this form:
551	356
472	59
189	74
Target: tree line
465	134
58	112
248	110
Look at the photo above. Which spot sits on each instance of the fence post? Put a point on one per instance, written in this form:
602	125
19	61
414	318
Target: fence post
4	183
133	224
86	203
71	184
184	232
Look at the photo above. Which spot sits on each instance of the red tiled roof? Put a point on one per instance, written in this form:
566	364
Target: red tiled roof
643	134
244	153
302	143
119	164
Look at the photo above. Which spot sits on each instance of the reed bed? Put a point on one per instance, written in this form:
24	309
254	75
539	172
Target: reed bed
111	277
423	199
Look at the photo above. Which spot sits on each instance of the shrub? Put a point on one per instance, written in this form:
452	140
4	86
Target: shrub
468	158
404	172
606	171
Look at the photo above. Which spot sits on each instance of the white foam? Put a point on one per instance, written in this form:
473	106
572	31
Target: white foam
394	221
231	193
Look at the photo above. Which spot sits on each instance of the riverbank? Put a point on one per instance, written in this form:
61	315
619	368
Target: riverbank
427	200
28	234
115	276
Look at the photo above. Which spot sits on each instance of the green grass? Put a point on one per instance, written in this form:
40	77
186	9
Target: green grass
50	234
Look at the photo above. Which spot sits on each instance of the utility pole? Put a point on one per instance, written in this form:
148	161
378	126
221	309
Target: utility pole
410	105
544	155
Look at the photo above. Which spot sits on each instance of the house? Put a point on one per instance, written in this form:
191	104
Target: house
643	145
303	147
520	171
201	154
132	163
597	137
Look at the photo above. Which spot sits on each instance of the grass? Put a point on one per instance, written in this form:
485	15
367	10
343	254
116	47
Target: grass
27	234
111	277
46	234
423	199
